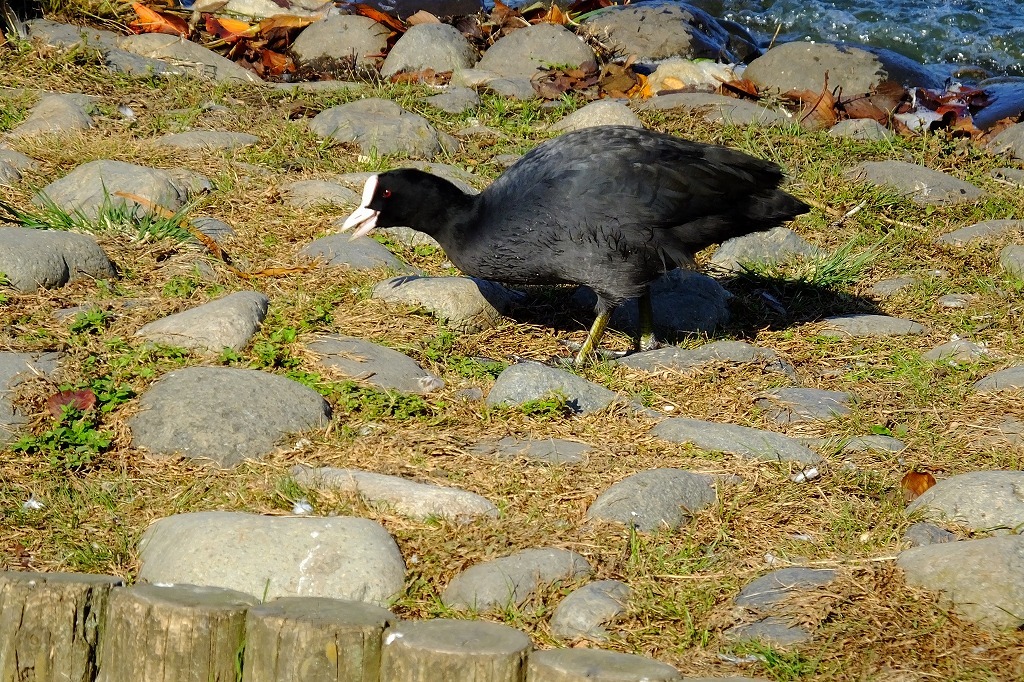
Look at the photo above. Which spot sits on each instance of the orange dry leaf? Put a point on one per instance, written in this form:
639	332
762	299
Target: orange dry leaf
821	113
555	16
740	88
914	484
151	21
80	400
284	21
381	18
229	30
276	63
422	17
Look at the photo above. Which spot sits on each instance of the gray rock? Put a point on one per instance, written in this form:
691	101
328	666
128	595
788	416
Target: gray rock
656	31
512	87
1009	141
777	245
522	52
65	36
374	364
195	59
1009	379
214	228
919	184
509	581
54	114
1011	259
31	258
980	231
548	450
983	579
684	302
342	36
12	163
269	557
600	113
765	594
455	100
792	405
87	188
14	369
888	287
772	630
465	304
570	665
584	611
488	650
743	441
990	501
874	443
408	498
528	381
309	193
957	350
317	87
955	301
680	360
717	108
223	414
1008	176
206	140
861	129
802	66
379	126
440	47
408	236
653	499
868	326
921	534
363	253
131	64
227	322
1010	431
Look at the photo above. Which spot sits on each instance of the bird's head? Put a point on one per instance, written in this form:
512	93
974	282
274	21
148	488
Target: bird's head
403	198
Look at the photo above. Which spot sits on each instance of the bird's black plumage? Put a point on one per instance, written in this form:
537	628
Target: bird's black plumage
611	207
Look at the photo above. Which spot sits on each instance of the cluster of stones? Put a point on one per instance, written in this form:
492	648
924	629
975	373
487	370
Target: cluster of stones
353	558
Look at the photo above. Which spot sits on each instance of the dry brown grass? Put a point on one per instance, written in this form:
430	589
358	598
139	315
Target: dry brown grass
868	625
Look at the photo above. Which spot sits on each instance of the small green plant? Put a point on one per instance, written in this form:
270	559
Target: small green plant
91	321
274	350
371	403
554	405
180	286
71	443
833	271
114	215
4	282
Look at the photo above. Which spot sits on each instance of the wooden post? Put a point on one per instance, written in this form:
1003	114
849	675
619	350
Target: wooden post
464	650
181	633
312	639
584	665
50	625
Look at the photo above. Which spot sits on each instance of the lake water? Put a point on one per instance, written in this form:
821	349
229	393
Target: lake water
984	33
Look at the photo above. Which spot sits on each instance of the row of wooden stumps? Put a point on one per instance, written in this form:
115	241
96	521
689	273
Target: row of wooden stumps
85	628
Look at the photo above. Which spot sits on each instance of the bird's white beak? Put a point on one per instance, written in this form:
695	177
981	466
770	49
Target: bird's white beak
364	218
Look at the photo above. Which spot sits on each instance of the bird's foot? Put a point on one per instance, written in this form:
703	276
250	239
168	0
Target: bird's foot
595	354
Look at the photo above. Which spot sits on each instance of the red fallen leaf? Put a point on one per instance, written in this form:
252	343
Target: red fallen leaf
229	30
914	484
276	63
80	400
151	21
864	107
381	18
740	88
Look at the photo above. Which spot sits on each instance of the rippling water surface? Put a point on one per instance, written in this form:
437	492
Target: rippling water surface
985	33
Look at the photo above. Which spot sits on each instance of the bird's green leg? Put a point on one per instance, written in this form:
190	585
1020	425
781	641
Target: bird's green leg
645	339
596	331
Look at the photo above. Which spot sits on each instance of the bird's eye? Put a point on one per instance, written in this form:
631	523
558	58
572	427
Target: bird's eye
386	193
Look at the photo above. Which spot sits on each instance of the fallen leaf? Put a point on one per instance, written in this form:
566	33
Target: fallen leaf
914	484
276	63
229	30
80	400
380	17
151	21
740	88
422	17
820	114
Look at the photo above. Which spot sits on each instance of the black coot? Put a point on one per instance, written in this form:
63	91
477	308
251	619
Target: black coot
611	207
